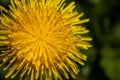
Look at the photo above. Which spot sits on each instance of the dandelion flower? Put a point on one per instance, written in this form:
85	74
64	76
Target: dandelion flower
41	39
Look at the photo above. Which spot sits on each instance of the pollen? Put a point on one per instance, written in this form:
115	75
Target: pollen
42	39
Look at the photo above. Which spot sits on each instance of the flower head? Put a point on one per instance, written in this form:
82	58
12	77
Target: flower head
42	39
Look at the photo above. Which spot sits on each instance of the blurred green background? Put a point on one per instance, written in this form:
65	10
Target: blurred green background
104	57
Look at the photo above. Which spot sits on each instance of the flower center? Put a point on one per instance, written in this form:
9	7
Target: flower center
40	36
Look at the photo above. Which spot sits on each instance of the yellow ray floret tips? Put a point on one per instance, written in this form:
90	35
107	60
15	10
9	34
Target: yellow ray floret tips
42	39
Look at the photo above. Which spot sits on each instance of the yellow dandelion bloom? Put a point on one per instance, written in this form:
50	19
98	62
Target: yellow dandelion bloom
42	39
